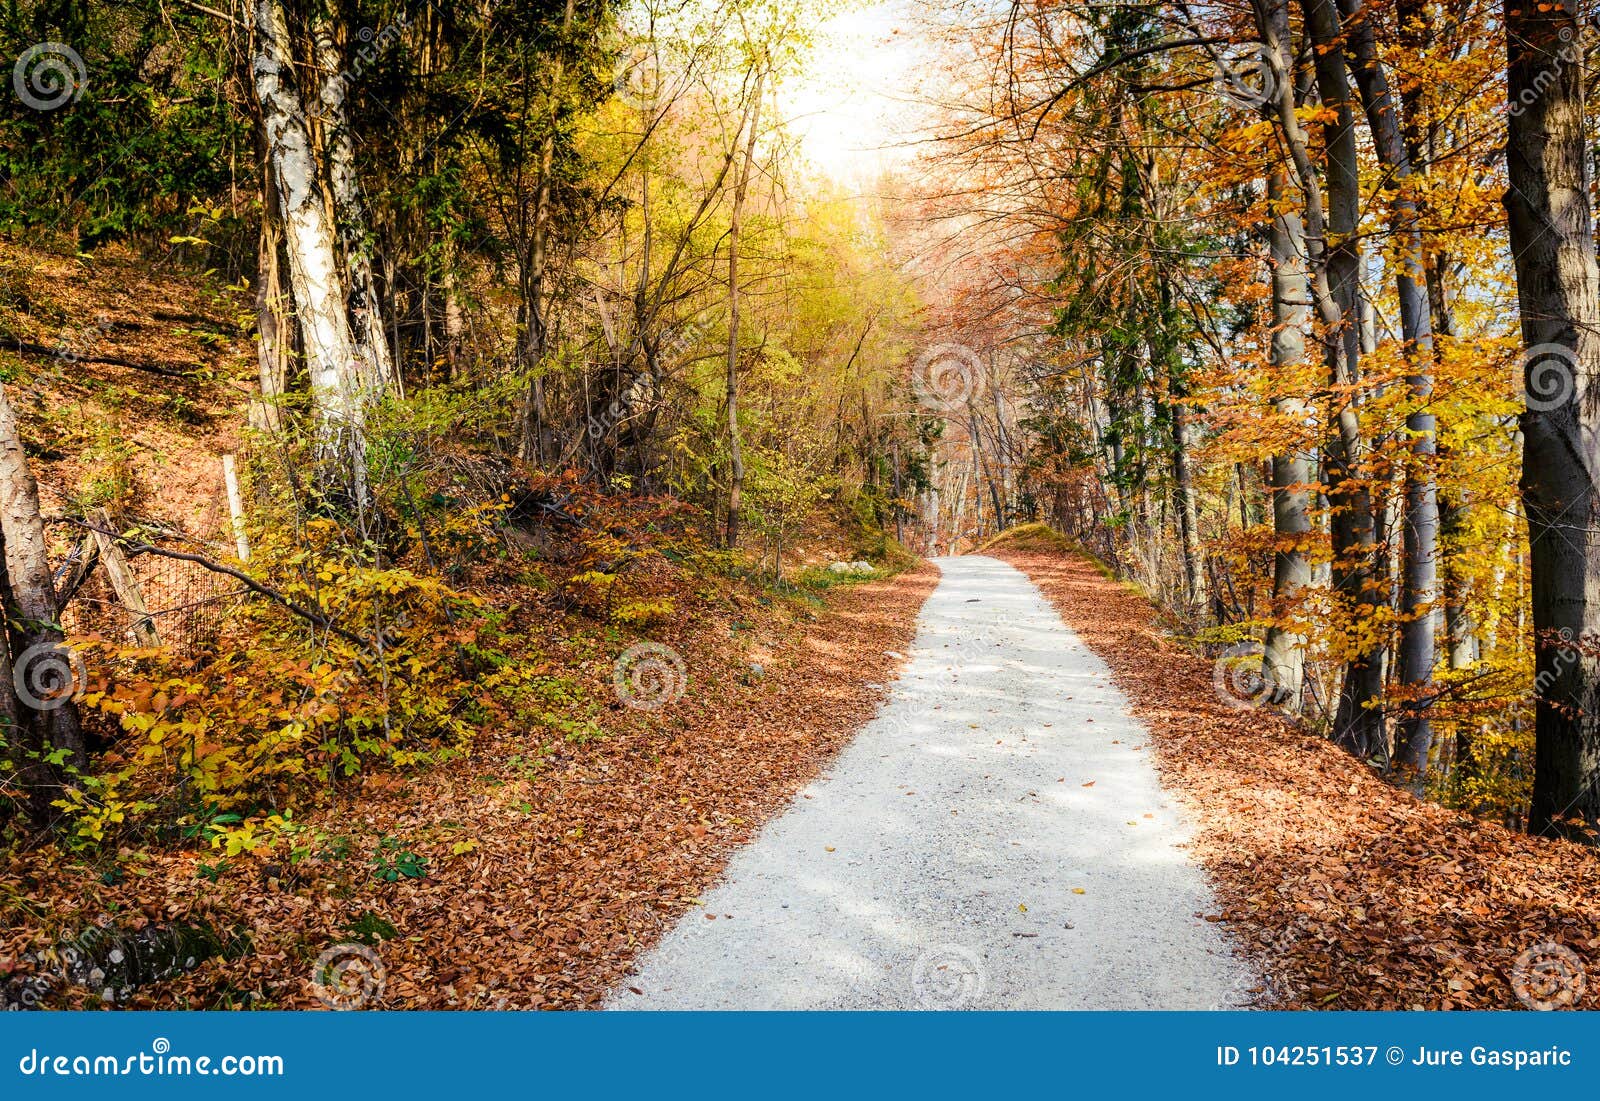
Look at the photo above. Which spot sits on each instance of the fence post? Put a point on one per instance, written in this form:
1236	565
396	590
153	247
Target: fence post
123	583
236	508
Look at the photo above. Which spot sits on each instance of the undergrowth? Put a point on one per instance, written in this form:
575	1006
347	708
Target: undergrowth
470	592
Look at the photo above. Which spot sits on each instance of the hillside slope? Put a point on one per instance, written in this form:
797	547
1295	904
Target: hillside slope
607	706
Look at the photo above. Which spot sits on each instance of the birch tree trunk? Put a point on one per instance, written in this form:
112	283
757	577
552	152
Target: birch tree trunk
338	383
1558	292
365	307
36	699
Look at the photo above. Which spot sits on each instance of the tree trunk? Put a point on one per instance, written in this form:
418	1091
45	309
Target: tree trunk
272	328
981	470
1461	634
338	384
1421	526
899	512
1558	292
455	322
1283	658
365	306
1358	723
1463	646
13	735
535	418
735	447
1188	510
44	674
958	515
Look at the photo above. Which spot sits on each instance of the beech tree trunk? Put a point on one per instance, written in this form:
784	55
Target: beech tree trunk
1358	723
1420	536
1558	292
1283	658
1462	644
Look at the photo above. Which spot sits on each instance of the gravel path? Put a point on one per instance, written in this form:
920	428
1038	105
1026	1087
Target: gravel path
996	838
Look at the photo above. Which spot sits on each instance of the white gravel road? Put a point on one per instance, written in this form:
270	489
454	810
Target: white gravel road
996	838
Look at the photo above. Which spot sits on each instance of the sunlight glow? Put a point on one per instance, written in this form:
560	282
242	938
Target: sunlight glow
856	107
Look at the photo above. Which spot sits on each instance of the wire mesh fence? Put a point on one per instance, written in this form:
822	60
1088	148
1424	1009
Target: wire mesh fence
186	605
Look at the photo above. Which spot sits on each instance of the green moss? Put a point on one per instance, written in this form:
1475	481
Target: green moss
869	524
1032	537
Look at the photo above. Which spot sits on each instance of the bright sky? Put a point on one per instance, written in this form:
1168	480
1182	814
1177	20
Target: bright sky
856	103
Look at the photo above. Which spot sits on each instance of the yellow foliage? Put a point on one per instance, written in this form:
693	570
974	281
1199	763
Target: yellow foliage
294	709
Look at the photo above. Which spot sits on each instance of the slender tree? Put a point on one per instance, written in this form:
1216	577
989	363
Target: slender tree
1421	523
1358	723
736	223
1283	655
